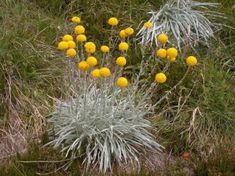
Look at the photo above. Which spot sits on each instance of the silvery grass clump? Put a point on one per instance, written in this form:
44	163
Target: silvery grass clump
186	21
103	125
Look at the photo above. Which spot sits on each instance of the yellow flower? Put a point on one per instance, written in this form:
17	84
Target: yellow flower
162	39
148	24
113	21
71	44
105	72
63	45
83	66
92	61
122	82
172	53
67	38
81	38
71	52
79	29
123	46
76	19
122	34
191	61
161	53
95	73
121	61
129	31
104	49
160	78
90	47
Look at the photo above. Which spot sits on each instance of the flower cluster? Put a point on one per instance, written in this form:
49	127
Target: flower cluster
104	114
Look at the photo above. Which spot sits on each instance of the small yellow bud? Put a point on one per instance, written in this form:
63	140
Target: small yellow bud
67	38
104	49
161	53
71	52
191	61
92	61
160	78
122	82
95	73
172	52
113	21
76	19
121	61
63	45
148	24
105	72
79	29
162	39
71	44
81	38
83	66
123	46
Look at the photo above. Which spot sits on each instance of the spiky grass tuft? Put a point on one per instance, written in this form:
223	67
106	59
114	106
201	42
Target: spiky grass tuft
185	20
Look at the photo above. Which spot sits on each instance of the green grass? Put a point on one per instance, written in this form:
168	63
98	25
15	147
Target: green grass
31	70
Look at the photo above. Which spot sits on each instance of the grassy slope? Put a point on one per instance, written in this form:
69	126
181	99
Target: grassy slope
31	70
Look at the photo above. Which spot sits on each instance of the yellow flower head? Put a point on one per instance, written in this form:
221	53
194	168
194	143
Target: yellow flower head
191	61
76	19
123	46
83	66
122	82
71	52
81	38
79	29
172	52
121	61
129	31
95	73
113	21
63	45
161	53
67	38
105	72
122	34
160	78
162	39
148	24
71	44
90	47
104	49
92	61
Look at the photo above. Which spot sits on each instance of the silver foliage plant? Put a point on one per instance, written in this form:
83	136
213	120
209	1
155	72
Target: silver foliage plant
102	124
186	21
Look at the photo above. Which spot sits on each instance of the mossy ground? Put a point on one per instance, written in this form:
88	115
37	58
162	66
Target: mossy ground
31	72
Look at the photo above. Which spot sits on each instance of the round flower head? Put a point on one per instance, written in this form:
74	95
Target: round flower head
92	61
122	82
172	52
160	78
122	34
129	31
83	66
162	39
71	44
81	38
121	61
95	73
161	53
71	52
90	47
63	45
148	24
105	72
191	61
79	29
113	21
76	19
67	38
104	49
123	46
